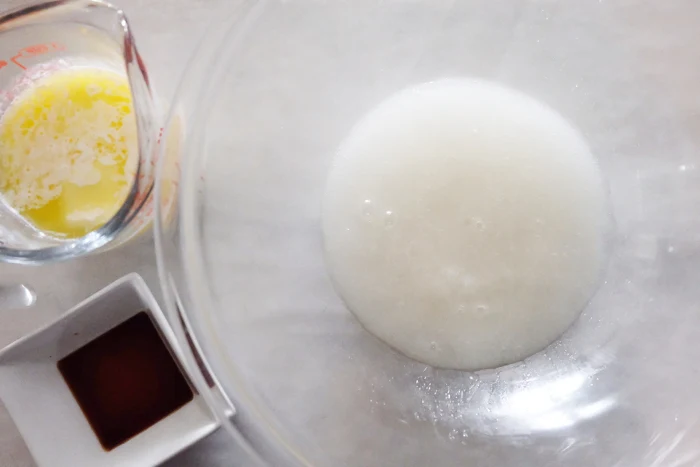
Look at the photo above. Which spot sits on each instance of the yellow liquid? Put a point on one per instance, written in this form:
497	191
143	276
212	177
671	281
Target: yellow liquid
68	151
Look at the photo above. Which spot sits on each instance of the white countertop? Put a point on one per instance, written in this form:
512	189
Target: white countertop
167	31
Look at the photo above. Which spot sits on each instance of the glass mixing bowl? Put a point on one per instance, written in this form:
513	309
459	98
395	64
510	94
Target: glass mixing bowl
264	104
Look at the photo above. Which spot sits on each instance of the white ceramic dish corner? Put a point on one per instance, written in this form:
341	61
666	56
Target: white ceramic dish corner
44	410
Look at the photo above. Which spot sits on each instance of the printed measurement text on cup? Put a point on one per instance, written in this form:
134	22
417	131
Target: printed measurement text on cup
31	51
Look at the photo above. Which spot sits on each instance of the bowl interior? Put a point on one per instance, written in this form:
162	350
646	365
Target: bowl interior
263	116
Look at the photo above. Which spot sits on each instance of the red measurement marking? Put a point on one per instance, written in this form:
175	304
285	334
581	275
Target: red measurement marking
14	60
33	51
3	64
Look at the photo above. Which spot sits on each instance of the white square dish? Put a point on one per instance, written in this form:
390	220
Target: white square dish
46	412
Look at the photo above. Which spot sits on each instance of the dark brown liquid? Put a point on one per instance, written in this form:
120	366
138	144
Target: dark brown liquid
125	381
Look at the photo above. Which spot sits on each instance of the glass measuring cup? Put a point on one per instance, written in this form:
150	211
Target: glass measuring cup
40	40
